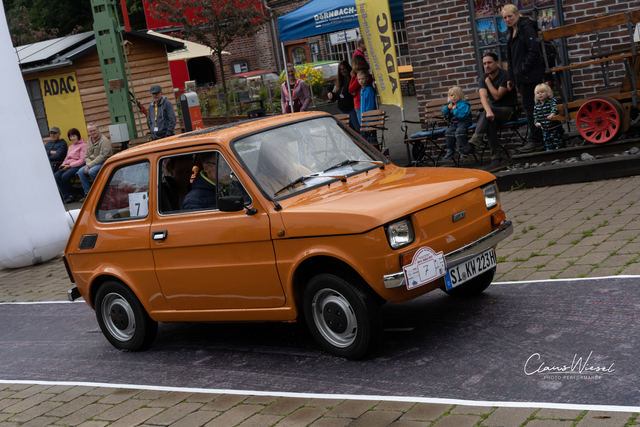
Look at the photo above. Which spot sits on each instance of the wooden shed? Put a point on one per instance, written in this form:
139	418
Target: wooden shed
65	83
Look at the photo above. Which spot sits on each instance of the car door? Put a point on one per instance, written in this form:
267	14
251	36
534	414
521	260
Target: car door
207	259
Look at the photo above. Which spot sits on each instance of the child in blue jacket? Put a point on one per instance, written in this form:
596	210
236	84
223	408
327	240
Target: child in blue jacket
459	111
367	103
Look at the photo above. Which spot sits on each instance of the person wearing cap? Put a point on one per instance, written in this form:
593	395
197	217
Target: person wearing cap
56	148
162	117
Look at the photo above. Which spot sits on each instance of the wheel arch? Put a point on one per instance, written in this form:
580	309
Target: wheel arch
315	265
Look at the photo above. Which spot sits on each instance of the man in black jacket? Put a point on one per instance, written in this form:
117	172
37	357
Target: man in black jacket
526	68
56	148
498	103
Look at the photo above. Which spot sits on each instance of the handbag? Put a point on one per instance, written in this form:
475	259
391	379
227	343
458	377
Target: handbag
296	106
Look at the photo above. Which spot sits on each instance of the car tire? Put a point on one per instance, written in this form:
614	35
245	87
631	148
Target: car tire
343	318
122	319
473	287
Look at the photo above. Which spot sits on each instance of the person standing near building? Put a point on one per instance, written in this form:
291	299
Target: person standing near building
162	118
342	95
525	68
97	152
299	93
362	48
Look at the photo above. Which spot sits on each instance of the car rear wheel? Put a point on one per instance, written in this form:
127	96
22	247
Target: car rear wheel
473	287
343	318
123	320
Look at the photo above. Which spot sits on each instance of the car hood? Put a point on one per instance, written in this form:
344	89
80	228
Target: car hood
377	197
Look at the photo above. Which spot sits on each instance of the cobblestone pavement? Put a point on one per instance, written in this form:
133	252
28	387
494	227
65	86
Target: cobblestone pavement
569	231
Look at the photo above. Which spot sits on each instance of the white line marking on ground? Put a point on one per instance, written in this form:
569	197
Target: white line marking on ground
581	407
577	279
516	282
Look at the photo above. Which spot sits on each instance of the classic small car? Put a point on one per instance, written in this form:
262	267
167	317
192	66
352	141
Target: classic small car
286	216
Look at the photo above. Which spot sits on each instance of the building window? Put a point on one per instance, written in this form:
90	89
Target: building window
490	30
35	96
315	52
298	55
338	52
240	67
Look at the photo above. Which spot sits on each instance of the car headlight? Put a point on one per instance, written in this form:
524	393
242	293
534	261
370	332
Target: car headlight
490	195
400	233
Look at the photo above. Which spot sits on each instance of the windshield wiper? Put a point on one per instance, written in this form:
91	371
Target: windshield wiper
294	182
352	161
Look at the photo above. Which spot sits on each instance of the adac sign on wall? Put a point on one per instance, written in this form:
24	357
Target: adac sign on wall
62	103
340	15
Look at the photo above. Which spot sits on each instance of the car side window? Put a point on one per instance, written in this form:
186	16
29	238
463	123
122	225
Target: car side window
196	182
126	196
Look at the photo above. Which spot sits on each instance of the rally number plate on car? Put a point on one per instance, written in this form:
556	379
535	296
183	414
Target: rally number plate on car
469	269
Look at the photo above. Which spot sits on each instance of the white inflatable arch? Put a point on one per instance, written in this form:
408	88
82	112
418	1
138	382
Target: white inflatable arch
34	226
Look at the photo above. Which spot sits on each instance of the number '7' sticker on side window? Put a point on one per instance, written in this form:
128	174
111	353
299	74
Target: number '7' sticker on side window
426	266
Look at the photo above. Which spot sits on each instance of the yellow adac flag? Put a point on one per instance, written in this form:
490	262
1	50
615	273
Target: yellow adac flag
377	31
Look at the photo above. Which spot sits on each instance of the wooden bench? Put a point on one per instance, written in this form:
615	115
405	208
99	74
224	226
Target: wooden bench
374	121
436	125
343	118
406	75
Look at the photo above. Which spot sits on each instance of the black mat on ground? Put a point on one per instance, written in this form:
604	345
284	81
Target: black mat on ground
494	347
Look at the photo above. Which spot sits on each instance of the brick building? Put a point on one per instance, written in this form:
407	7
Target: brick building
447	40
444	41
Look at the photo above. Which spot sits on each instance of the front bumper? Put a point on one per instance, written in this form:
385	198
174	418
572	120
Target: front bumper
73	294
461	255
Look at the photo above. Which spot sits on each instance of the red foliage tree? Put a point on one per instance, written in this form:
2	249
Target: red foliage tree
213	23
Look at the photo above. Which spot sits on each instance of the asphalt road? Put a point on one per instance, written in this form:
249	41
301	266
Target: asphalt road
435	346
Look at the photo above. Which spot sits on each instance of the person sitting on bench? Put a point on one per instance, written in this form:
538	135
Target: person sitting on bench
499	104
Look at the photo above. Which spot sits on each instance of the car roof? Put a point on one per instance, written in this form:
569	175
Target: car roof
233	130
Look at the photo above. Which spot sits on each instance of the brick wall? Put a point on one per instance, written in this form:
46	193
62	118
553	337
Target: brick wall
443	55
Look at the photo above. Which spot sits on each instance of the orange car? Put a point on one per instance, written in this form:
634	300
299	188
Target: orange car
288	216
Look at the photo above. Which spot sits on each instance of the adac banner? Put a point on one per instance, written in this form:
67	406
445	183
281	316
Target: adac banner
377	31
62	103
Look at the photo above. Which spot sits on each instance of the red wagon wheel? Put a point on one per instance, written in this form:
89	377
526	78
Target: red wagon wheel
599	119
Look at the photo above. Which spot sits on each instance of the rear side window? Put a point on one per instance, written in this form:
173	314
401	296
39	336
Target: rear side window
126	196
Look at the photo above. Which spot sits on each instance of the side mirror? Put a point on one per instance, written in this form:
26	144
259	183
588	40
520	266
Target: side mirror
231	203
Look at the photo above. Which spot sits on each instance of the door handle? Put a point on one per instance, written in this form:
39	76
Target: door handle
159	235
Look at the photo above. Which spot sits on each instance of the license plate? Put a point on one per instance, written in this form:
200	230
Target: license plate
469	269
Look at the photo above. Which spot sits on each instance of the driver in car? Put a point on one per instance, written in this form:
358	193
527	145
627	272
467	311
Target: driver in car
278	166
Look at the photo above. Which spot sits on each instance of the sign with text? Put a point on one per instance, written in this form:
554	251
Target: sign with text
426	266
342	36
62	103
377	31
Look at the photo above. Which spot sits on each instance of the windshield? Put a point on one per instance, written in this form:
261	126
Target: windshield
301	155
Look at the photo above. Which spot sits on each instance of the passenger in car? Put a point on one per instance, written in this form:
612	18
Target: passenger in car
176	182
203	189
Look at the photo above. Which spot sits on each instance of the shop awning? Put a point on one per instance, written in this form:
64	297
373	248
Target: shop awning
326	16
191	49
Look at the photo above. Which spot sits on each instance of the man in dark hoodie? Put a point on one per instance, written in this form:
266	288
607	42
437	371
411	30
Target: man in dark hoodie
526	68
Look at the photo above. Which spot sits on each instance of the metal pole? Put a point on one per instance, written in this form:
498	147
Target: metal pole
286	77
347	43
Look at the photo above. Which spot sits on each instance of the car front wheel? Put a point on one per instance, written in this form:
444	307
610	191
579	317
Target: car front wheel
343	318
473	287
123	320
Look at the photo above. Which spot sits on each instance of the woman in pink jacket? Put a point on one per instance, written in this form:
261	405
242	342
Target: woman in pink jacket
71	164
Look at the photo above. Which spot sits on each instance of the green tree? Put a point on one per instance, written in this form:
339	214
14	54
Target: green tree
213	23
